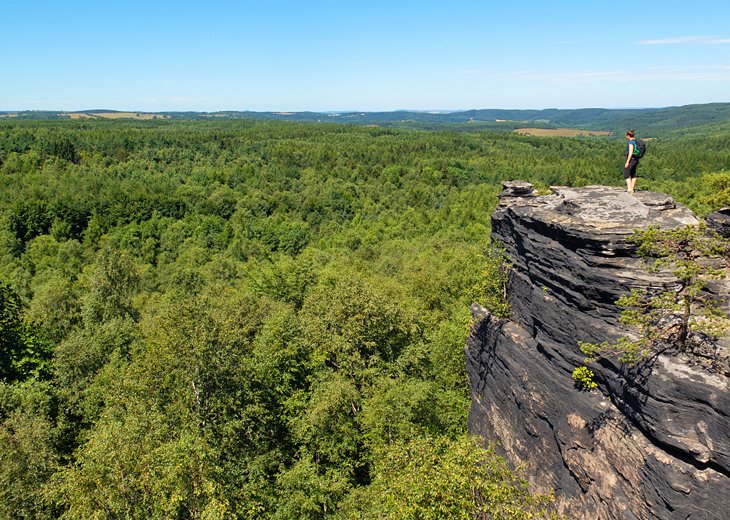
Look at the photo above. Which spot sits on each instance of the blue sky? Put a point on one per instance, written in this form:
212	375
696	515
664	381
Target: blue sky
287	55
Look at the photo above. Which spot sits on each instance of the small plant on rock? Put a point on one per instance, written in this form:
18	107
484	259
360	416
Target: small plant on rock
584	378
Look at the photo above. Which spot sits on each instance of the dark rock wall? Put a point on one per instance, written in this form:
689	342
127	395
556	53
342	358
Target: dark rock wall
719	221
652	442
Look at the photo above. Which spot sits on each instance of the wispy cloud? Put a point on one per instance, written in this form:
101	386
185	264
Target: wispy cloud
686	40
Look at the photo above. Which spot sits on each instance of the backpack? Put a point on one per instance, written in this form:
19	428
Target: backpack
639	149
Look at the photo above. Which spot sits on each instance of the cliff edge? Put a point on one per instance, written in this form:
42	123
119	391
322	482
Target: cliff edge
652	442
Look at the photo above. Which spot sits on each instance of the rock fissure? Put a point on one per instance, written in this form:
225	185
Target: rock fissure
580	481
655	441
675	452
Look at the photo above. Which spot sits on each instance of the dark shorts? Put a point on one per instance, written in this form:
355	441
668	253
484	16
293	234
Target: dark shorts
630	172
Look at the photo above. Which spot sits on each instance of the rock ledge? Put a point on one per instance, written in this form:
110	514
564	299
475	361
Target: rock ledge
650	443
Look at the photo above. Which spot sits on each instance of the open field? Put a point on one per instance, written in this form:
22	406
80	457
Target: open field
114	115
558	132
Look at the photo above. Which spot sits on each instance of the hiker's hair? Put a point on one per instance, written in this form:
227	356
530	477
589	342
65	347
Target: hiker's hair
630	133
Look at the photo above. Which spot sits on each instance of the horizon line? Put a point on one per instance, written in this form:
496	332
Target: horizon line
434	111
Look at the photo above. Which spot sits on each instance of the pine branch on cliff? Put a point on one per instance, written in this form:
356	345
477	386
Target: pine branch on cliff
681	315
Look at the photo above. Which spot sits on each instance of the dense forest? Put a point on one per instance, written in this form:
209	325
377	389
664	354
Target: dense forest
265	319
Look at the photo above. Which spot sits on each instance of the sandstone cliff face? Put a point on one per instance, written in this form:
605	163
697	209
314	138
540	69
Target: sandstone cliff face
719	221
650	443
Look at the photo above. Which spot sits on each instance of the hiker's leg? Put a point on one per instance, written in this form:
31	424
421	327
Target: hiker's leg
627	176
630	175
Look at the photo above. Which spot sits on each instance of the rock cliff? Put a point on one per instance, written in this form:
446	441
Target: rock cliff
719	221
649	443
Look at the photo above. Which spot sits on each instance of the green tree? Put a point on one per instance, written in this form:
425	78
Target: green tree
28	450
491	291
435	478
354	325
54	309
61	146
682	314
189	424
23	353
11	333
109	285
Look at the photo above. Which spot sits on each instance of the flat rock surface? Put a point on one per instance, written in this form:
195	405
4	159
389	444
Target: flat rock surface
601	209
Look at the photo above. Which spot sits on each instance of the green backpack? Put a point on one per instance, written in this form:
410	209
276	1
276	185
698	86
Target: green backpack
639	149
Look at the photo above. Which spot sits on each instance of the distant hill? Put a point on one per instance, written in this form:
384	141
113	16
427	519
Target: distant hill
669	121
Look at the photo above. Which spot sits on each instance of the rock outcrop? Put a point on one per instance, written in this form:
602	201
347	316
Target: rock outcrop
652	442
719	221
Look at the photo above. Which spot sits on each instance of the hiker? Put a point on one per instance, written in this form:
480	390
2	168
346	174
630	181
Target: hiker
632	161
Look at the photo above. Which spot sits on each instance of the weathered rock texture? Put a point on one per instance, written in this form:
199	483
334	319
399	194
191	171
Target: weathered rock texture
650	443
719	221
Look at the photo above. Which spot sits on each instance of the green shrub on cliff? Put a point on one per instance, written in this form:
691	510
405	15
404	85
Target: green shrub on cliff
681	315
584	378
491	290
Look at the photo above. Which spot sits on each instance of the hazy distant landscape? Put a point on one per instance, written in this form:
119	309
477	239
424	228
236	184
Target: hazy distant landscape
649	121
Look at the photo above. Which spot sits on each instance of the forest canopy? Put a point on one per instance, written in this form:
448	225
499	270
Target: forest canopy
249	319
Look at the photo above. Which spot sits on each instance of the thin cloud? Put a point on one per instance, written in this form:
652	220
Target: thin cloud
685	40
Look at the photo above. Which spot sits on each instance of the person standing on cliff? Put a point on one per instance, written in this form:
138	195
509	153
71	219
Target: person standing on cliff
632	161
